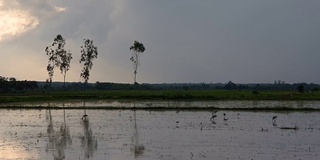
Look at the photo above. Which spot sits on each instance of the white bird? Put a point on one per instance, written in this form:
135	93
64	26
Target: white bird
224	117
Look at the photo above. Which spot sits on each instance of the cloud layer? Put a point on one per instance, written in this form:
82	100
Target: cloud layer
186	41
15	22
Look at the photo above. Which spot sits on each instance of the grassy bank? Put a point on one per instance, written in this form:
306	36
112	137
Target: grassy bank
157	95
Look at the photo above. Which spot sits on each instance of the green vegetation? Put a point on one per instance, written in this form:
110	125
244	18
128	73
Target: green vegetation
89	52
12	90
37	96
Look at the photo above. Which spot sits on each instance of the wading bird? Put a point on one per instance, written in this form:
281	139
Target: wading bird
224	117
84	117
213	115
274	120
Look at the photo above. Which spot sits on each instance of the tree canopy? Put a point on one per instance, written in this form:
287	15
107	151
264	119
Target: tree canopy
58	57
88	53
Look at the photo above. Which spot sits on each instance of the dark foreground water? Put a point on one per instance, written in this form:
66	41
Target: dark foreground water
147	134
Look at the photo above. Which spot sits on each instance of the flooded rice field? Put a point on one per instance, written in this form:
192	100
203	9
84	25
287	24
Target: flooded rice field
169	104
158	134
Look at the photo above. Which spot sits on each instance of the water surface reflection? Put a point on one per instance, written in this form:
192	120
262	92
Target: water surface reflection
137	148
138	134
59	138
88	141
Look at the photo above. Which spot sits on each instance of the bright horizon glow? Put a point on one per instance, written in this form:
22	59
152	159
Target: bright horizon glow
14	150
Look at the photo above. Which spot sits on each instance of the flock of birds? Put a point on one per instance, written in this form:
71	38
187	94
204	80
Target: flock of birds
274	121
214	115
212	119
225	119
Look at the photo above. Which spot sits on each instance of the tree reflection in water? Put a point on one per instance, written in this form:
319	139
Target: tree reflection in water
58	140
137	147
88	141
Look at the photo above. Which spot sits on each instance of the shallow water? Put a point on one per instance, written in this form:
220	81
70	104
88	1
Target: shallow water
165	104
141	134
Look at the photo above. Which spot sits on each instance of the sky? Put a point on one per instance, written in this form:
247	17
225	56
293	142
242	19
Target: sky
186	41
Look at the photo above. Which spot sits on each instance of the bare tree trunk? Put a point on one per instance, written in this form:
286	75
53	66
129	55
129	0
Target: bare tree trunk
64	81
136	66
135	77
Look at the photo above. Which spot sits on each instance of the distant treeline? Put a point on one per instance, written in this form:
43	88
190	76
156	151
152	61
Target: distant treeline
185	86
211	86
12	85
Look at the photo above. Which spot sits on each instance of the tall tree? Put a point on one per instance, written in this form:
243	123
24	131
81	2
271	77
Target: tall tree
137	48
88	53
58	57
53	52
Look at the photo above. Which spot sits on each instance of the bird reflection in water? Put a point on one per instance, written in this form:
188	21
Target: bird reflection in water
214	115
274	120
88	141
